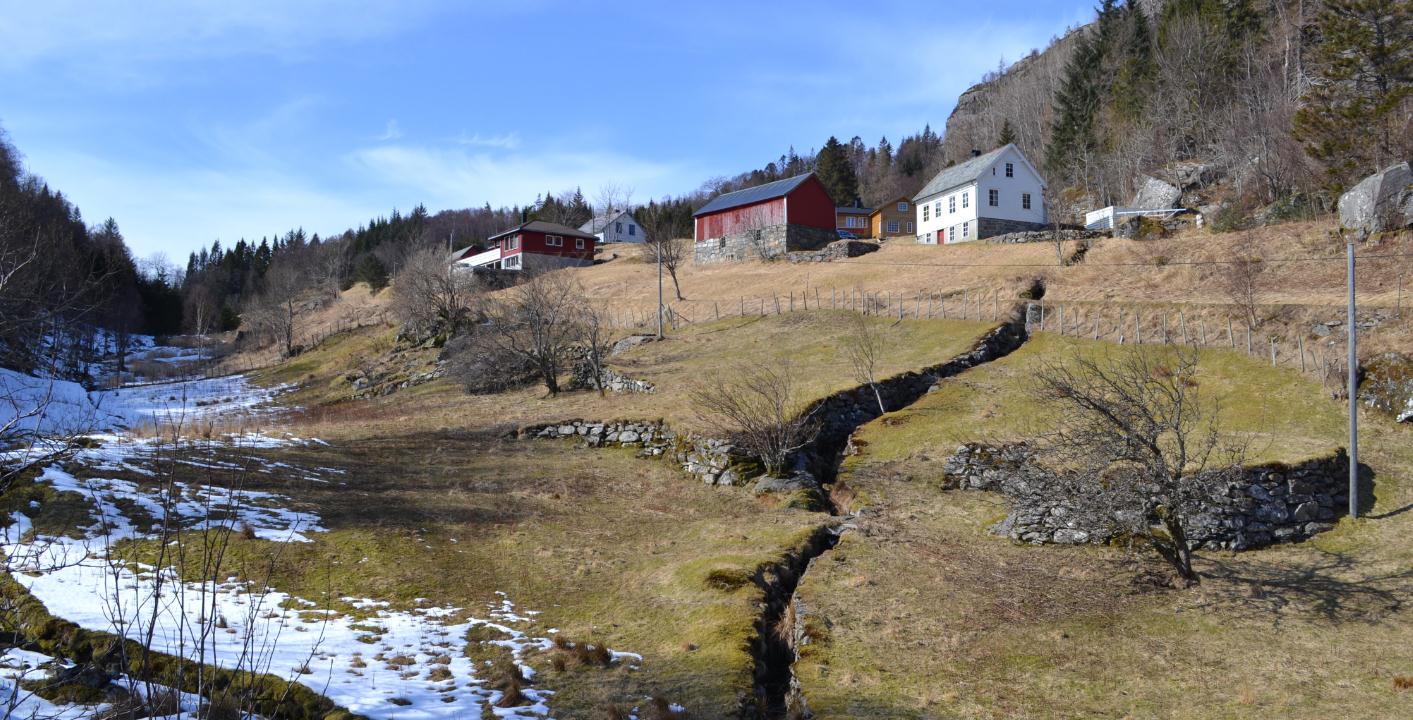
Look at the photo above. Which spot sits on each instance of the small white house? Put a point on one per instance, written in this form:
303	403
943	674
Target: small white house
615	226
992	194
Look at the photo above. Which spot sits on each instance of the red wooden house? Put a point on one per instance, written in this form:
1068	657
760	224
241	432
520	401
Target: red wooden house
536	245
791	214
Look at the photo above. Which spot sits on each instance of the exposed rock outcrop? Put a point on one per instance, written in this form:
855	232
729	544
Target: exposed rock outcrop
1388	385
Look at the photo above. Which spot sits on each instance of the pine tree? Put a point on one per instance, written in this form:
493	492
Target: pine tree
1008	134
1137	70
1356	117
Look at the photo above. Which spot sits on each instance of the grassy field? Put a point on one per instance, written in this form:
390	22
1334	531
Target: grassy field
920	612
811	342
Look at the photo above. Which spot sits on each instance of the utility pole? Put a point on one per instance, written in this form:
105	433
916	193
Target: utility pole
1353	400
658	253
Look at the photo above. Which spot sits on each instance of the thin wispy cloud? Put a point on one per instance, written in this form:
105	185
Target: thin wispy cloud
391	131
508	141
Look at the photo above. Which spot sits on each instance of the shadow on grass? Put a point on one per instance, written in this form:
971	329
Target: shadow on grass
1328	586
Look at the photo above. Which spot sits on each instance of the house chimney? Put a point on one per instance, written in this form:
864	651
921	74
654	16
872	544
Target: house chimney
976	153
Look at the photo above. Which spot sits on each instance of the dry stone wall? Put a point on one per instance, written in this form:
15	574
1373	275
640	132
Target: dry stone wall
1269	504
773	242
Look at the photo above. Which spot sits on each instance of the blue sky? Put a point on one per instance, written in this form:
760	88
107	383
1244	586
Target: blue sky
198	120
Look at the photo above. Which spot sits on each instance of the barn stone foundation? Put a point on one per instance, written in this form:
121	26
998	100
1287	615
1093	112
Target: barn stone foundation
768	244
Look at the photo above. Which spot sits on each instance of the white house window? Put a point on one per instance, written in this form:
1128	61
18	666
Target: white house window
893	227
554	241
632	229
579	242
952	204
937	208
929	238
512	262
966	232
993	197
966	199
1010	169
902	207
1025	201
924	212
910	226
618	227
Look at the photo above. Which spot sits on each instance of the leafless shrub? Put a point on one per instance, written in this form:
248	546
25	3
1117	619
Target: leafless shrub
757	406
1138	443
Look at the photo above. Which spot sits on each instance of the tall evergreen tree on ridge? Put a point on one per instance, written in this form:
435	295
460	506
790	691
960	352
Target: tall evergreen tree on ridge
836	171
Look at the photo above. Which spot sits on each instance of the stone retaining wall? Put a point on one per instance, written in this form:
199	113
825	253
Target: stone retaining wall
989	227
1270	504
711	460
837	250
1030	236
582	378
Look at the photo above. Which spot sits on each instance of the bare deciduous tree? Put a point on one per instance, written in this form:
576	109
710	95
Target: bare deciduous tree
537	322
758	407
1243	279
865	347
273	310
660	228
1138	443
430	296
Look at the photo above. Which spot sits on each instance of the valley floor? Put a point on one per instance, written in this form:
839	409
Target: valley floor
419	562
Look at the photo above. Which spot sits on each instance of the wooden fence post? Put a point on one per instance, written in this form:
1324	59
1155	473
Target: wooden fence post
1300	341
1137	328
1230	337
1273	352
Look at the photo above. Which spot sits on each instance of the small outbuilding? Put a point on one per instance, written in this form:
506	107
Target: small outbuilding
765	221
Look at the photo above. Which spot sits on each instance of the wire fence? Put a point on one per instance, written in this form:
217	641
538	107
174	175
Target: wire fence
1214	327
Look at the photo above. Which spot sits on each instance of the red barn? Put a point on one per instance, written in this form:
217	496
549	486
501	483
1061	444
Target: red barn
536	245
767	220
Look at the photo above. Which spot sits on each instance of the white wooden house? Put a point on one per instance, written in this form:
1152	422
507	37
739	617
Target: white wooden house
615	226
990	194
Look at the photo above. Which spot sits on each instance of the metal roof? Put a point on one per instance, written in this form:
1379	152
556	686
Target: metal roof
960	174
540	226
851	210
753	195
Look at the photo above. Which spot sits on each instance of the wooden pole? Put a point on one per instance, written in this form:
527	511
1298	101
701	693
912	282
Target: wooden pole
1273	352
1137	328
1230	337
1300	340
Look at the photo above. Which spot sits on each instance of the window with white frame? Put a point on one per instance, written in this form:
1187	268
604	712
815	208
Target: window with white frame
952	204
966	231
910	226
903	206
512	242
966	200
579	243
929	238
632	229
893	226
925	208
554	241
937	208
993	197
1025	201
1010	169
511	262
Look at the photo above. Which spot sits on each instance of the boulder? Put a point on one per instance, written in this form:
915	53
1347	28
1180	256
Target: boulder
1381	202
1156	194
630	342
